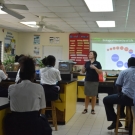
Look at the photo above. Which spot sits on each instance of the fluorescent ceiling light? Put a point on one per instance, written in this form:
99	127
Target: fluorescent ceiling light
30	24
2	12
106	23
99	5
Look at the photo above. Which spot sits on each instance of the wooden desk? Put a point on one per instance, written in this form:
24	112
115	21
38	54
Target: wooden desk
4	109
133	112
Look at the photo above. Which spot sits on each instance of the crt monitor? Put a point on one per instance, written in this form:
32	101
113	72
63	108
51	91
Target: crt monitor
64	66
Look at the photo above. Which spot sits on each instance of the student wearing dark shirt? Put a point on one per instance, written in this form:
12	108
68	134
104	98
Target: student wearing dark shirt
92	69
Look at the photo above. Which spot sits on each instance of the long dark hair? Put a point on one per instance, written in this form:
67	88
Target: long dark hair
95	54
49	61
27	70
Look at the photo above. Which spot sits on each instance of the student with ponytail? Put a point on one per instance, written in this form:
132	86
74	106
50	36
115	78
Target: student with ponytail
49	77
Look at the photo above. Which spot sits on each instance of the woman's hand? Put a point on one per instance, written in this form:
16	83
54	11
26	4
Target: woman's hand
92	66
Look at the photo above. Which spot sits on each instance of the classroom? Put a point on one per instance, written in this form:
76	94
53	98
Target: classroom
89	45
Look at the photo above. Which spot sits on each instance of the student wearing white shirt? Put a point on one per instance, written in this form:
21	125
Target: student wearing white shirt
49	77
3	91
27	103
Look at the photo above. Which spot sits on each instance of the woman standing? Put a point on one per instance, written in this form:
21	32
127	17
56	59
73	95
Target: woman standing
27	103
92	69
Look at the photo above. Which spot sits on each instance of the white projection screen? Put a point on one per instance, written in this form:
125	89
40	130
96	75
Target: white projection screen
113	54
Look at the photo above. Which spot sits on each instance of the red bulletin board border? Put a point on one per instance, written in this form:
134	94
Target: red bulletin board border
79	47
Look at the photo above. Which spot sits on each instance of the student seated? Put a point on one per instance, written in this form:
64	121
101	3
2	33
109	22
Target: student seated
126	85
2	67
3	91
20	58
27	103
49	77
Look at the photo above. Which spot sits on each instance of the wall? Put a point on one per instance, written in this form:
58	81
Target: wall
3	33
26	45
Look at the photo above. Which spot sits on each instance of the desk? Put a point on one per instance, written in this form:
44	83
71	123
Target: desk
4	109
133	112
65	109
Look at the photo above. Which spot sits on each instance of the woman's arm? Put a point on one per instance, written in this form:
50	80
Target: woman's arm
99	71
3	68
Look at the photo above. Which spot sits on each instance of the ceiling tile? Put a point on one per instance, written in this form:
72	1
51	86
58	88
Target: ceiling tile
76	22
93	18
45	14
82	28
73	19
77	26
62	9
82	9
121	2
67	14
90	14
52	20
38	9
99	29
29	3
77	3
93	26
54	3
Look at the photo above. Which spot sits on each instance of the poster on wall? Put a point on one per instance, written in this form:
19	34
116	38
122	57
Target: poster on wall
36	51
54	40
36	40
79	46
9	44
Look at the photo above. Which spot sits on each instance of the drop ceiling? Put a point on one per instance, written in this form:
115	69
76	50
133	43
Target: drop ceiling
71	16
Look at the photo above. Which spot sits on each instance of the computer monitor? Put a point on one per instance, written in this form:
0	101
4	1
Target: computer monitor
64	66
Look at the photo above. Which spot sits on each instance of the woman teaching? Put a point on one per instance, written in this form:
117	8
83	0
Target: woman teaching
92	69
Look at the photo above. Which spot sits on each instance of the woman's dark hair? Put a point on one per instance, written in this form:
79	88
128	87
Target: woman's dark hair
49	60
27	70
0	62
95	54
131	62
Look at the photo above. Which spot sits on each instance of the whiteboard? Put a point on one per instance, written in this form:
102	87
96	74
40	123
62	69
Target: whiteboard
56	51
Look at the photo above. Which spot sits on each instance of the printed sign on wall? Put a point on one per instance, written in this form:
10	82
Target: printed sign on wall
54	40
36	40
9	44
79	46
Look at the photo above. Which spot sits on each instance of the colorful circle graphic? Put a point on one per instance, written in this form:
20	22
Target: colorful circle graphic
125	65
130	51
115	57
121	47
133	55
119	64
126	49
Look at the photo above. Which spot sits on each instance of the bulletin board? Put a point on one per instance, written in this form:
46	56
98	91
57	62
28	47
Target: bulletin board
79	47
